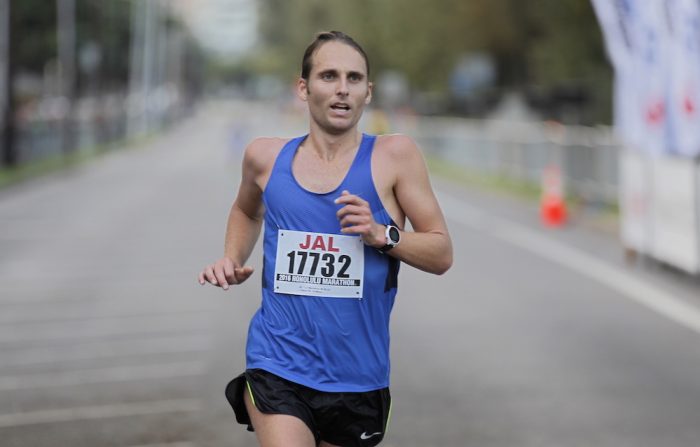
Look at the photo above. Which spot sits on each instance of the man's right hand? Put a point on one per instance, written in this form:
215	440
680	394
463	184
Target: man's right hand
224	273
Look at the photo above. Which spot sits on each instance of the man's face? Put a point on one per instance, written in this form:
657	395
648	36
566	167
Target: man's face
337	89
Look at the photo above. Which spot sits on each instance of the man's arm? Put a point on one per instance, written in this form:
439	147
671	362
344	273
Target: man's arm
428	247
244	221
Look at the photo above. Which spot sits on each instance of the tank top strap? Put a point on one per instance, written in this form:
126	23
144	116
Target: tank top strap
359	178
283	164
364	153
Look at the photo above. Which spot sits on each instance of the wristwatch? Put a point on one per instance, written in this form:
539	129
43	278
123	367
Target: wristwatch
393	237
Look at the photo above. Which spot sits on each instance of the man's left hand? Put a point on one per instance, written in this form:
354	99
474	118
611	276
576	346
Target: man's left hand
356	218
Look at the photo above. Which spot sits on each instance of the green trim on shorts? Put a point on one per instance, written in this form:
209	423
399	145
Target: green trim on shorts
388	419
250	392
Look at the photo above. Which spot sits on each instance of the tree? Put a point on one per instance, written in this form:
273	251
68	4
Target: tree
544	43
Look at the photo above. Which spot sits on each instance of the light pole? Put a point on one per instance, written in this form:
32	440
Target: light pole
7	150
143	64
66	58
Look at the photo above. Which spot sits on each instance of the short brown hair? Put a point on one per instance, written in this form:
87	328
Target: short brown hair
324	37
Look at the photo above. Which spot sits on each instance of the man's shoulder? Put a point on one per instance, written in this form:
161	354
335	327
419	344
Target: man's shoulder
262	151
396	145
266	144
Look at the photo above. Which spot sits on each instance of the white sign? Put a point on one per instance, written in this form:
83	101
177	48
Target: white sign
655	48
674	218
319	264
684	95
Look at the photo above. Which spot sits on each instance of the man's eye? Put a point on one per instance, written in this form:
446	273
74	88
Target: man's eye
355	78
327	76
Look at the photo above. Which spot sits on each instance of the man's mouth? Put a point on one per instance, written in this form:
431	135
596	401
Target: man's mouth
340	107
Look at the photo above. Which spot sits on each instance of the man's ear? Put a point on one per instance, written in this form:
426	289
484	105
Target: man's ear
303	89
368	97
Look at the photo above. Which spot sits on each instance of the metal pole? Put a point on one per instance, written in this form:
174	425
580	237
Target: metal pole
142	68
175	67
149	62
5	90
66	58
135	103
162	57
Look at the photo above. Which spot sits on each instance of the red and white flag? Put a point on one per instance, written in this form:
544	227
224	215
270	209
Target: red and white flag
654	46
684	92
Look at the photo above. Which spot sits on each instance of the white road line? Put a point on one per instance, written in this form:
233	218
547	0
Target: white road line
646	294
22	291
102	328
168	444
99	412
39	297
101	375
15	292
104	350
33	316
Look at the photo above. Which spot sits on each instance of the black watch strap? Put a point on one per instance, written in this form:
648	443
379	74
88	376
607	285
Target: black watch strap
385	248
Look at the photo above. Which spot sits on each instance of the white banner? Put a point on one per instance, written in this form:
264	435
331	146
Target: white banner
684	55
654	46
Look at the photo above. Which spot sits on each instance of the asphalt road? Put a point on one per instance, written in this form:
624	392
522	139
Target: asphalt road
534	338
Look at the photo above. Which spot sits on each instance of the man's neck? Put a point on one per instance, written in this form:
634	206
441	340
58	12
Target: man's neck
327	146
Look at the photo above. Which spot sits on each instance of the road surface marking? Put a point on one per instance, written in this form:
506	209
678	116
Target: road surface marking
104	327
101	375
177	344
33	316
168	444
584	264
99	412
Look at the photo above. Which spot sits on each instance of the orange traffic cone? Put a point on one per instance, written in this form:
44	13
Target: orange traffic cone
552	205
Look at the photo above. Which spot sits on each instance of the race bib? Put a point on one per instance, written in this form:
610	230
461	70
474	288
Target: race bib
318	264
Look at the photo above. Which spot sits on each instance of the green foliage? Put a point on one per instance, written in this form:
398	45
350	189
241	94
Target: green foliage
107	24
569	44
34	23
543	43
103	22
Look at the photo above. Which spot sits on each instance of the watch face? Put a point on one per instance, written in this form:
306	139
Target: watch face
394	234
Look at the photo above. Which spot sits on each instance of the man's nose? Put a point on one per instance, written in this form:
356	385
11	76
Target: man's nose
342	88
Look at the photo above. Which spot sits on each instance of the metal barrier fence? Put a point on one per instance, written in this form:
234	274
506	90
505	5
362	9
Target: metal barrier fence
94	121
587	157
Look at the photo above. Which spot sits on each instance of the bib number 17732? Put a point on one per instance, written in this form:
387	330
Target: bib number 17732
329	264
318	264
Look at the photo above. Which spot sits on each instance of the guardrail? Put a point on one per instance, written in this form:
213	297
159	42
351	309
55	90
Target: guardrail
93	121
586	156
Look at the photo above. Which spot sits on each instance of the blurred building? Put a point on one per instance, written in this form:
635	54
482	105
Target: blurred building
225	27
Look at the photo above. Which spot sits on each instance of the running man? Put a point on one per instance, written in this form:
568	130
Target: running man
333	204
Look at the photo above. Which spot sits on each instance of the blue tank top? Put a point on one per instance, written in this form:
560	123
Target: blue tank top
333	344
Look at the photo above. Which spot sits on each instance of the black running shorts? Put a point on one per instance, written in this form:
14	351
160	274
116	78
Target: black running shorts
344	419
